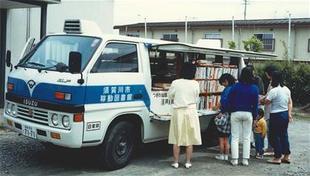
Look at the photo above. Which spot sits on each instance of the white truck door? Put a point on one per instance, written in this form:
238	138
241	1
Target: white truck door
115	87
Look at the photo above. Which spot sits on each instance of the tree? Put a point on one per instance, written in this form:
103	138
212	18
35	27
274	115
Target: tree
231	45
253	44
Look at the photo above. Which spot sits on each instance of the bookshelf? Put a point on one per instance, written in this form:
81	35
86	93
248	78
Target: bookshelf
207	76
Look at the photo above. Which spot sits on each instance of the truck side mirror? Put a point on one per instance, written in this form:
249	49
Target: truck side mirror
8	58
75	62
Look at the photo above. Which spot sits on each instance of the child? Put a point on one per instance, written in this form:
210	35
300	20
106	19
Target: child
222	121
260	130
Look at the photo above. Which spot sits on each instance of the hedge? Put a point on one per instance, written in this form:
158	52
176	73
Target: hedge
296	77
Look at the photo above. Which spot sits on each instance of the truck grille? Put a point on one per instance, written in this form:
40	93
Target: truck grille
32	114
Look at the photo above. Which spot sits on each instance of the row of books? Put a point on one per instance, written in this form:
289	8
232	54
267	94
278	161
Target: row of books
214	72
209	102
210	86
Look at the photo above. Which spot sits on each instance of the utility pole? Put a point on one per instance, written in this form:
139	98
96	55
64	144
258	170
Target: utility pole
245	8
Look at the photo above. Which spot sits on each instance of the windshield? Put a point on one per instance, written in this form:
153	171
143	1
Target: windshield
53	52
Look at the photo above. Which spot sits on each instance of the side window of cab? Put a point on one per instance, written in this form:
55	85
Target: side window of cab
117	57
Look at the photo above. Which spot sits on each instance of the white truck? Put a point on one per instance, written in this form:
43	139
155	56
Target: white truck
80	88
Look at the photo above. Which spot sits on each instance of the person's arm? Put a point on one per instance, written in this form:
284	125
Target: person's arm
255	103
230	99
171	91
270	95
290	108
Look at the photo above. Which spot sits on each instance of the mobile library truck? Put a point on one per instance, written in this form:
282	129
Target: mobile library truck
81	88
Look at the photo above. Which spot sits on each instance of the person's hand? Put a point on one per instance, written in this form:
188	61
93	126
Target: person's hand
290	118
262	100
254	123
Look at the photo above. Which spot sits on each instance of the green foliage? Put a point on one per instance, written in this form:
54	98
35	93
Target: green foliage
253	44
231	45
296	77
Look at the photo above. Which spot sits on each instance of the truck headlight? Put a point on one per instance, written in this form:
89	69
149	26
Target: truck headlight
65	121
54	119
8	108
13	109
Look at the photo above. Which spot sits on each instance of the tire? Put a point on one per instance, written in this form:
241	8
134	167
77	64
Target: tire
119	145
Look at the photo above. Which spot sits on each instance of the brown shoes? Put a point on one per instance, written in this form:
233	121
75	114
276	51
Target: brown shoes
274	161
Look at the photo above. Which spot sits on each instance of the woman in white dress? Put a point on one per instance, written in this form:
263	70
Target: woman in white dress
184	125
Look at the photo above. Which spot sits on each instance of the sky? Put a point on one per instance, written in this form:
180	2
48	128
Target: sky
133	11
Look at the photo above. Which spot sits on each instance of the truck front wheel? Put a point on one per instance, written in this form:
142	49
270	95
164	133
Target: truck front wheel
119	145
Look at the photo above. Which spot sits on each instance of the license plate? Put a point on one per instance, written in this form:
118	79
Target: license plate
29	132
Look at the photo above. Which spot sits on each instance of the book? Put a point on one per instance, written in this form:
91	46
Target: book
208	77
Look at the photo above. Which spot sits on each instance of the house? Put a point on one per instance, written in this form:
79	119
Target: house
272	32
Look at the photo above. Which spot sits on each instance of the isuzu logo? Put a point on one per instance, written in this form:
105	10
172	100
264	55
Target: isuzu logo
30	103
31	83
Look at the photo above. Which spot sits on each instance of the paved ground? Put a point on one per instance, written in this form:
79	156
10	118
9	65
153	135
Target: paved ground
23	156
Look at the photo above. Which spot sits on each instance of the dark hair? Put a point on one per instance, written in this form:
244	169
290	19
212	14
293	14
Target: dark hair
228	77
276	79
247	75
269	69
188	71
261	112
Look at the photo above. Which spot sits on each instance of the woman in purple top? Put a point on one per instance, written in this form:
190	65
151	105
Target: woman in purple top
243	102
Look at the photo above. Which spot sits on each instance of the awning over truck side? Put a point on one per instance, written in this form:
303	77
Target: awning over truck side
188	48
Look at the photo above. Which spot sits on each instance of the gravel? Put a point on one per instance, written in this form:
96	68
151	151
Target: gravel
23	156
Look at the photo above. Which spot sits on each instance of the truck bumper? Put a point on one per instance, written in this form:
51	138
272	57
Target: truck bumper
67	138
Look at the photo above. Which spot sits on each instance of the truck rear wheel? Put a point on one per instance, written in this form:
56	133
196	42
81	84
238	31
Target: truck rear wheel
119	145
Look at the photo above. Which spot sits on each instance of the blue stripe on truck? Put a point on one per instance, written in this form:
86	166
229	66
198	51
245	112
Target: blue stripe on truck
82	94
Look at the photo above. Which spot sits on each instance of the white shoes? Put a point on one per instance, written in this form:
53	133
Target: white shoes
234	162
188	165
175	165
245	162
221	157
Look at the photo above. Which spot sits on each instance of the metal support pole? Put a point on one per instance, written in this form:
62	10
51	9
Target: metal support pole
185	29
145	28
43	20
233	29
3	22
289	38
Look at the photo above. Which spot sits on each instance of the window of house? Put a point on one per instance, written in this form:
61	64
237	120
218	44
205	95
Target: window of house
117	57
133	34
212	35
170	37
213	39
268	41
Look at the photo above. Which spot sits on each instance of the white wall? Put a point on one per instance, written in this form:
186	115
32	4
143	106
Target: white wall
100	12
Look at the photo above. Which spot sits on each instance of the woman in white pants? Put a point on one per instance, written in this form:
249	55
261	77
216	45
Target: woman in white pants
243	102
